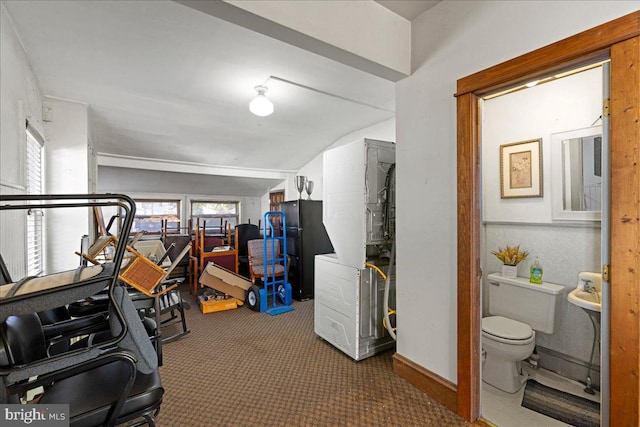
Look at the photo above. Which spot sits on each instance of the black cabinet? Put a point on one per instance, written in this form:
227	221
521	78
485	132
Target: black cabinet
306	238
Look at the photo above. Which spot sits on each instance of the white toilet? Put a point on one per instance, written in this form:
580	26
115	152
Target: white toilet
518	309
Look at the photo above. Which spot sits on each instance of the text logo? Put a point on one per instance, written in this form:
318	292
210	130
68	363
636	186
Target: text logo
34	415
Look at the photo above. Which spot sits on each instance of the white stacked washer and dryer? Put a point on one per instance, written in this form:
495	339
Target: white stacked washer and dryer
359	216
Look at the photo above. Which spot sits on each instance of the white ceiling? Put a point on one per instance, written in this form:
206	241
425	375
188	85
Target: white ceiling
165	81
409	9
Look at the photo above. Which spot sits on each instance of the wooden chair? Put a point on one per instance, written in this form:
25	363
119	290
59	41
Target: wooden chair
149	279
137	271
208	248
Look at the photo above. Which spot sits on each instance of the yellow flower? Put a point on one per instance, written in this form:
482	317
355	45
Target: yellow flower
510	255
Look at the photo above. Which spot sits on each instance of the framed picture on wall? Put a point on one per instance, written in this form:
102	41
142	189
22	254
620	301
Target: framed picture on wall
521	169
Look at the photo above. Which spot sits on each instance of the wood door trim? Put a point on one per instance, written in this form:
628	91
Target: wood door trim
625	233
625	252
557	56
435	386
468	401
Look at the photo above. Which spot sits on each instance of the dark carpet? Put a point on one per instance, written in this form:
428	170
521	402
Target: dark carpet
242	368
573	410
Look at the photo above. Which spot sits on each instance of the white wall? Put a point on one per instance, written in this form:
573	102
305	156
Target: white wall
451	41
67	147
93	156
384	131
378	35
143	184
20	99
67	158
65	155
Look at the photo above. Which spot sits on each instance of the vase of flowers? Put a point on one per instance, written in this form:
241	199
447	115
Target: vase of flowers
510	257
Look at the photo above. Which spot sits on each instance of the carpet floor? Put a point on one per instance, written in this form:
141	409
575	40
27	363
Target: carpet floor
242	368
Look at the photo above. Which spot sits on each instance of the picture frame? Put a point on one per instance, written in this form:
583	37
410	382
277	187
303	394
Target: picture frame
521	169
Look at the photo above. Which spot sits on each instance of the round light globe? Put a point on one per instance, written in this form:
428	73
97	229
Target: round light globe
260	105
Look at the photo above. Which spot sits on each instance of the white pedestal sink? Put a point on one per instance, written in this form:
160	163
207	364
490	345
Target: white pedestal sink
587	300
588	292
588	296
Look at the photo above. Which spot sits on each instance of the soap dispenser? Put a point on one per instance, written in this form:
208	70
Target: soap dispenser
535	271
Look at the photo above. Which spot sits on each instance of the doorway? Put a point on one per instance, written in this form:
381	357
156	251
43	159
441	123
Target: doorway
620	40
275	198
526	134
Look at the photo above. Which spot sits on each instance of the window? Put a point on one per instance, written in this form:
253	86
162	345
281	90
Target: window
216	214
151	213
34	216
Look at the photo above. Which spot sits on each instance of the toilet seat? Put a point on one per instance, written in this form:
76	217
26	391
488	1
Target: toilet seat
507	330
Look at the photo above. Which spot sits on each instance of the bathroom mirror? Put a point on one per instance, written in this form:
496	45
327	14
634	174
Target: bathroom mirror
576	166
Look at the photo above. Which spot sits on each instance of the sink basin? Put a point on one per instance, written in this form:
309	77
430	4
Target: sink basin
587	300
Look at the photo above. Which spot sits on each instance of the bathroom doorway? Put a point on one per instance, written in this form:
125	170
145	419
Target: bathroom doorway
618	39
535	140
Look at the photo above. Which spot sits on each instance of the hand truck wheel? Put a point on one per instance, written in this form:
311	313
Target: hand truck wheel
281	292
253	298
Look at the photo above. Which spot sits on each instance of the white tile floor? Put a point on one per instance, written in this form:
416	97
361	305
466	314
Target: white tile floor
505	410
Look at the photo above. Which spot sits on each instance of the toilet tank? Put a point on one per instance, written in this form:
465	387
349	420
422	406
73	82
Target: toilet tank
516	298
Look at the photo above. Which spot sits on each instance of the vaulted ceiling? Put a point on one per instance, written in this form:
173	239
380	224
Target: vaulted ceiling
165	81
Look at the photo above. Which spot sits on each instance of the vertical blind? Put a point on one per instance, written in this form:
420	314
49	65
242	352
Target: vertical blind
34	216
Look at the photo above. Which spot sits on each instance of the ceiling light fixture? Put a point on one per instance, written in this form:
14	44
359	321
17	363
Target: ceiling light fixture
260	105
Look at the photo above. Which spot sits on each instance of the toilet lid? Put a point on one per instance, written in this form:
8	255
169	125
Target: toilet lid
506	328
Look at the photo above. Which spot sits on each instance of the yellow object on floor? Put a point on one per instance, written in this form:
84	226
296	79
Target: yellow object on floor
212	305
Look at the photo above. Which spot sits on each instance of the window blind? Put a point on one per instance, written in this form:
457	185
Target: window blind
34	216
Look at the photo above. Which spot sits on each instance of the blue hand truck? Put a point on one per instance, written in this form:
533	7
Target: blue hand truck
276	289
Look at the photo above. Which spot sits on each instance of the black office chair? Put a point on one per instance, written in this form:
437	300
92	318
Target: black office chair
103	388
244	233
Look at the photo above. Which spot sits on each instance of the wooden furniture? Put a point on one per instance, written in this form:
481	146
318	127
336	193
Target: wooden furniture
215	248
175	244
137	270
275	199
143	274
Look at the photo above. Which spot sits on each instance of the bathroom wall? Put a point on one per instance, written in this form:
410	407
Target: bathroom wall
563	252
563	248
571	103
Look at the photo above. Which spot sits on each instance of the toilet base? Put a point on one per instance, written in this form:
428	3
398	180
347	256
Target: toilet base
503	375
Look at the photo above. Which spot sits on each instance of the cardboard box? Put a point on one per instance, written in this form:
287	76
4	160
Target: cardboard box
211	306
223	280
152	249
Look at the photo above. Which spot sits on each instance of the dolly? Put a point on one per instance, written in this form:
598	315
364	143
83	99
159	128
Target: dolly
276	288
